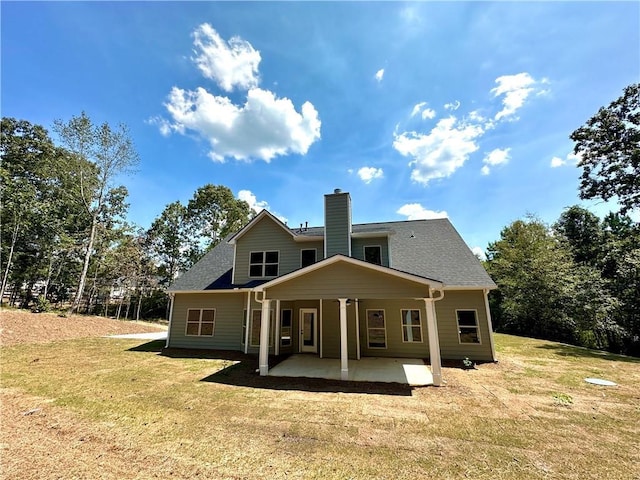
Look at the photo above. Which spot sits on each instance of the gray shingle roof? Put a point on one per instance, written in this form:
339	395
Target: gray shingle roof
427	248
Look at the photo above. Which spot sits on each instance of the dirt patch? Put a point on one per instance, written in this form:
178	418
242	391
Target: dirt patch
20	326
60	444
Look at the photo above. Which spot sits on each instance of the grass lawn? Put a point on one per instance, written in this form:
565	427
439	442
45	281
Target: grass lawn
105	408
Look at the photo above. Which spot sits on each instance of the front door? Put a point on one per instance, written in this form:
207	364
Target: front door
308	330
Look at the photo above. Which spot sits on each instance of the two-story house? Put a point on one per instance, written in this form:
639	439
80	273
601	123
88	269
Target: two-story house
391	289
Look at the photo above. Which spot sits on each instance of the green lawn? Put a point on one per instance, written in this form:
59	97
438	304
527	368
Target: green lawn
530	416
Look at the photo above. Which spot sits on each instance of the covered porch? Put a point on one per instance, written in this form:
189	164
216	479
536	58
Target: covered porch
410	371
340	283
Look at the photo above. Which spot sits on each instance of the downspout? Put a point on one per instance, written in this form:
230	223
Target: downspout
172	297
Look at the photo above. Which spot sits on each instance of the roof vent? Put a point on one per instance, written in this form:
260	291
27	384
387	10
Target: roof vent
337	190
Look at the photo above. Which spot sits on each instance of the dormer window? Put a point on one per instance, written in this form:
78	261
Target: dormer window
373	254
263	264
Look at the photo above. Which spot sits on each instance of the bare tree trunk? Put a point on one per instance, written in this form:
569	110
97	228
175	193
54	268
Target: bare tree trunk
85	267
126	315
14	239
119	308
139	305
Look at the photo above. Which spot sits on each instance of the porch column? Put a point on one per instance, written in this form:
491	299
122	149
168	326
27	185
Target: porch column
344	354
357	329
276	334
264	338
434	342
247	323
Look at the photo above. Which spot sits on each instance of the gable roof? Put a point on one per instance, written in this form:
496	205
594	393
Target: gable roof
430	249
264	213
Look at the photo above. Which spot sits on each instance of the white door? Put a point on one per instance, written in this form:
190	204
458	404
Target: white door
308	330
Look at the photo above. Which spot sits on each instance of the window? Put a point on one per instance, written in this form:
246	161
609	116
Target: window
263	264
256	324
411	327
285	327
200	322
373	254
468	331
307	257
376	330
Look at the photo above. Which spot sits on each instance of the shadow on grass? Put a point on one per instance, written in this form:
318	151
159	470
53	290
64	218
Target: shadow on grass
154	346
563	350
241	372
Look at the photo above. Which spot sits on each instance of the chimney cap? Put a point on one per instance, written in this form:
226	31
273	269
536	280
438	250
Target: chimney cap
337	190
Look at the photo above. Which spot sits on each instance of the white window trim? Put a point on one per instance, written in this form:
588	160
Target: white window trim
264	264
475	311
364	254
402	325
384	315
271	326
305	249
290	328
186	324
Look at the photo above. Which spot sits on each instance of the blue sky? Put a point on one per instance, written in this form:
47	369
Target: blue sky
417	109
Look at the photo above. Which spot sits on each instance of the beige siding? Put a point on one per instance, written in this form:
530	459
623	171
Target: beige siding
450	345
347	281
228	320
358	244
265	235
331	329
393	320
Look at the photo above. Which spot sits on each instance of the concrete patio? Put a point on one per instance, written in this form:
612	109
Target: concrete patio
411	371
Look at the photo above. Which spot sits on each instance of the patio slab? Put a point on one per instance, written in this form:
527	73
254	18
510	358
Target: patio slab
411	371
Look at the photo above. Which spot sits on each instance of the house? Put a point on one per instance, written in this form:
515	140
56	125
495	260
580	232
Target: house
391	289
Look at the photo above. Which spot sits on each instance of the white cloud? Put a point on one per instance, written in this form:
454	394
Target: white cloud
428	113
415	211
452	106
495	157
516	89
441	152
379	75
479	252
257	205
264	127
230	64
367	174
417	107
570	159
250	198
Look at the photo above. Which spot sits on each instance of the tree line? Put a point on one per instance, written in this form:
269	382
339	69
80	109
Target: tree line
66	241
578	280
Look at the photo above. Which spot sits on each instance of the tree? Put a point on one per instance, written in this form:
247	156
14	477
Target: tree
111	153
608	147
170	242
532	271
582	231
214	213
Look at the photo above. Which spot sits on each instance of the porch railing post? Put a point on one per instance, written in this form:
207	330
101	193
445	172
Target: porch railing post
344	354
